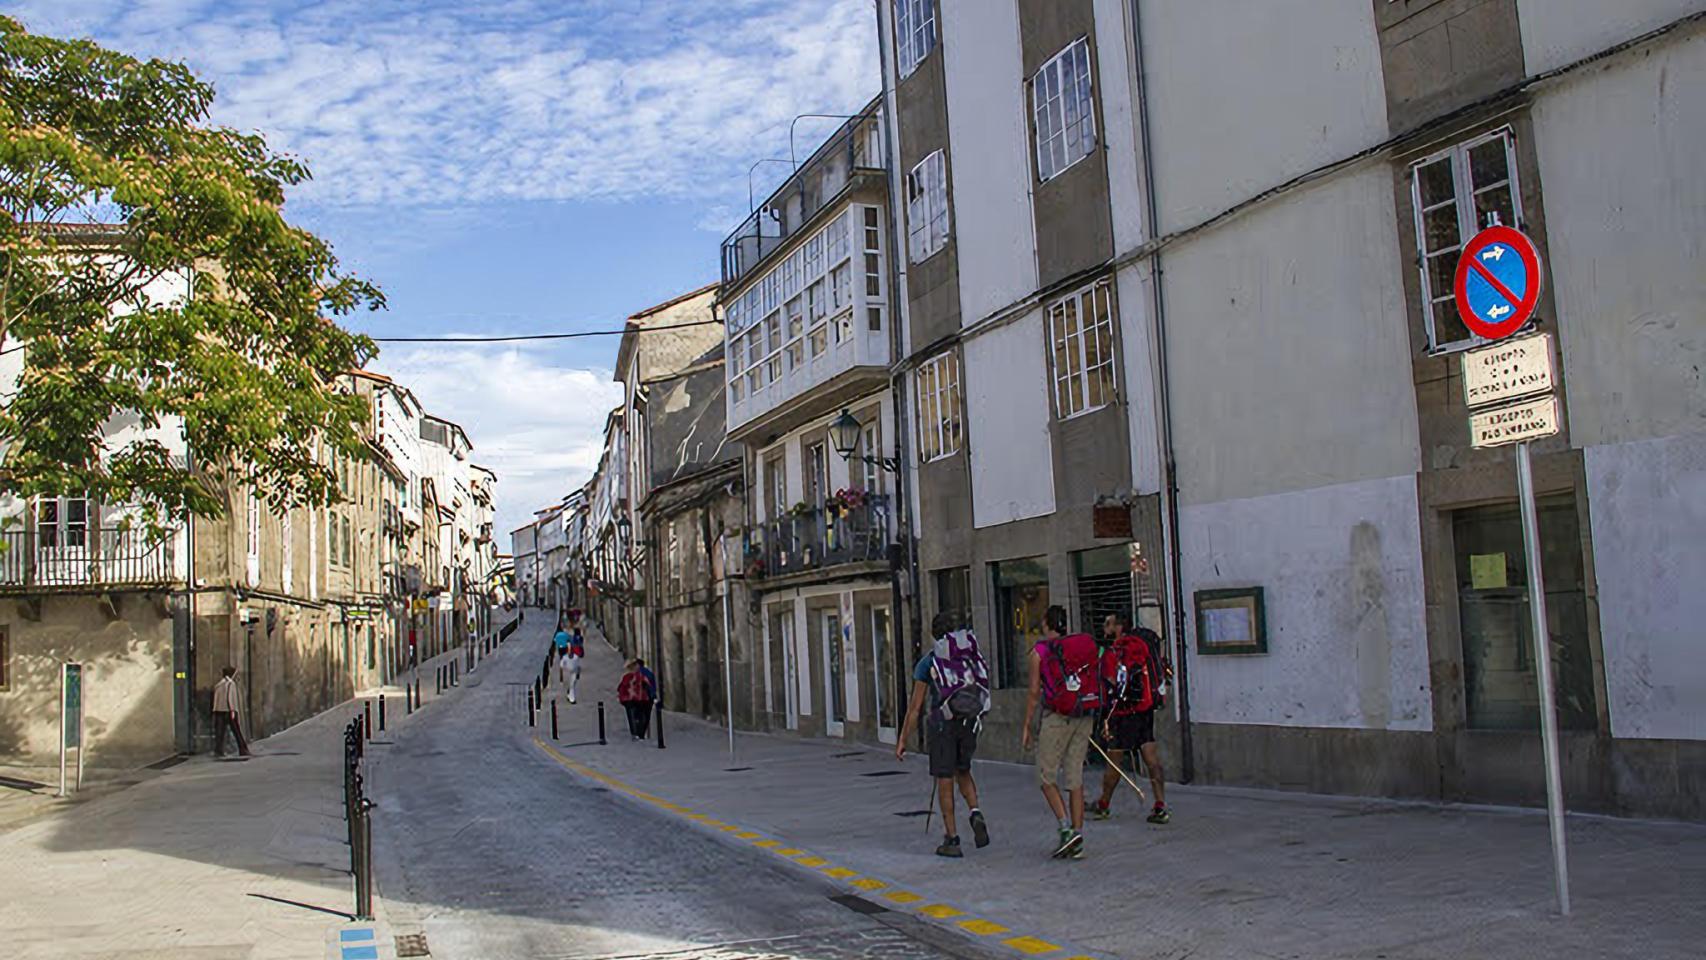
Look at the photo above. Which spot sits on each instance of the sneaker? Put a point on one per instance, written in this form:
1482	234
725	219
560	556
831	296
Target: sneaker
1077	852
1071	841
979	830
950	848
1159	815
1100	811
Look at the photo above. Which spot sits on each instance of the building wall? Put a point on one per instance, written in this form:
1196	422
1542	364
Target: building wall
1008	424
1556	32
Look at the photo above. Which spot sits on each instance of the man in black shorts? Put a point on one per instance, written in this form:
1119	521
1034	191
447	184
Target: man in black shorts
1130	721
954	680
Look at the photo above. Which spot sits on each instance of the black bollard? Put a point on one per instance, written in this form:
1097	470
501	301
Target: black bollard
660	724
438	680
382	713
601	740
530	708
408	699
553	718
453	672
417	691
367	718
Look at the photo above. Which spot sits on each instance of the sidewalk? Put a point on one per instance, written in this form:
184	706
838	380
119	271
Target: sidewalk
1238	873
205	860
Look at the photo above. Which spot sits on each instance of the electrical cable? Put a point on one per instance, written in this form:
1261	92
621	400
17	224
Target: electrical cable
546	336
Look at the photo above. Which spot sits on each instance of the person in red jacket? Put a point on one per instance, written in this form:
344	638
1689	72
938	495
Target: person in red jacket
635	694
1133	678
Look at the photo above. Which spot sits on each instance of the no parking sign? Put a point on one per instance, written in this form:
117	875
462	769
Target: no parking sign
1498	282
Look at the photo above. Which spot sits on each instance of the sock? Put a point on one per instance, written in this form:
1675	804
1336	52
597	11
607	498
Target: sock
976	812
1065	824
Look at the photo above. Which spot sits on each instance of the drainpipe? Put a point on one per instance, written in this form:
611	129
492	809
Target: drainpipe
899	323
1170	480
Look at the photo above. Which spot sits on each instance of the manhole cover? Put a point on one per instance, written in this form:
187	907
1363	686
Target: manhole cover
412	945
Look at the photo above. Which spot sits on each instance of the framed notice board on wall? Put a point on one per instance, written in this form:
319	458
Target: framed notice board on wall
1231	621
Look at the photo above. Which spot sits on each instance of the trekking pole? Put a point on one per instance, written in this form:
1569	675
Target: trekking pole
930	806
1129	781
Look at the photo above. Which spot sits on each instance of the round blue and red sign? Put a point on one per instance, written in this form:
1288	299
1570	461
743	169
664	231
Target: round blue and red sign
1498	282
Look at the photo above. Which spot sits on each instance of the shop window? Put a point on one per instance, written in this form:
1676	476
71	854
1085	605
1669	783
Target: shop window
1103	578
1021	597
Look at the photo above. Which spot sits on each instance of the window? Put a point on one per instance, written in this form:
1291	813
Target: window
870	466
674	560
1021	597
796	315
1081	328
953	593
939	407
62	522
817	475
927	207
873	257
841	287
1063	114
331	538
819	340
1454	193
287	538
914	32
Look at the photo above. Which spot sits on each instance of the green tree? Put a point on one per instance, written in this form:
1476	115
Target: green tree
113	180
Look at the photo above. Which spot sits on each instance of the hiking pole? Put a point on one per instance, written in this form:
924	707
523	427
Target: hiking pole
930	805
1129	781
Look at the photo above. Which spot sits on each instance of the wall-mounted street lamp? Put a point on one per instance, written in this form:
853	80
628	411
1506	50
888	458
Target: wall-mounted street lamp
844	434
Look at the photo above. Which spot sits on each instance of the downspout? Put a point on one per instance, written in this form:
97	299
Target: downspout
1170	463
899	323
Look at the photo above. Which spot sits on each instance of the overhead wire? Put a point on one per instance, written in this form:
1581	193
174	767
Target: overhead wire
547	336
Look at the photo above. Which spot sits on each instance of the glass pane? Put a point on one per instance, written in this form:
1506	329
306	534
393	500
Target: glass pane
880	635
1448	326
1488	164
1442	274
1496	200
1439	229
1435	182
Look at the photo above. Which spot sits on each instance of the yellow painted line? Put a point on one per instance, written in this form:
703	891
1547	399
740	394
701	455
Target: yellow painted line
841	873
767	843
902	896
941	911
727	827
868	884
983	928
1031	945
790	852
747	835
811	861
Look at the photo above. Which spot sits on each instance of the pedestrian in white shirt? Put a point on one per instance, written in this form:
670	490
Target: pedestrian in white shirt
225	714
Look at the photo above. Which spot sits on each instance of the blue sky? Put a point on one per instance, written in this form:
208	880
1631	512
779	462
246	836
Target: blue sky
512	166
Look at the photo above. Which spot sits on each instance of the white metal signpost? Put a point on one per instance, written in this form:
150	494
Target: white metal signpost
1507	387
70	719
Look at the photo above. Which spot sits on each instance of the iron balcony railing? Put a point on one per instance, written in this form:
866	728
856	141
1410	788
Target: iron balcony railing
75	556
821	537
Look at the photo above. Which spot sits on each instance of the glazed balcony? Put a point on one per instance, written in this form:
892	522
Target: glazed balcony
818	538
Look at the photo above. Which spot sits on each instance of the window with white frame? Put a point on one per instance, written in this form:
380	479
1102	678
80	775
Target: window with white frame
871	464
62	522
1455	193
927	207
1081	331
254	539
674	560
1063	110
939	419
914	33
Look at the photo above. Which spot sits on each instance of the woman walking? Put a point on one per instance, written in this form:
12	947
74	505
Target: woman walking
635	695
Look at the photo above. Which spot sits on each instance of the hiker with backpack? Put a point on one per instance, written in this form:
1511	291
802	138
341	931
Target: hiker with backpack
1066	681
954	679
1133	671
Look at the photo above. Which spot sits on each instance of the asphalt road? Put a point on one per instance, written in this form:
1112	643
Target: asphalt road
497	853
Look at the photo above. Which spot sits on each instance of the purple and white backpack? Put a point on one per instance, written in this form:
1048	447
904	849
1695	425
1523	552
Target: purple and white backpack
961	677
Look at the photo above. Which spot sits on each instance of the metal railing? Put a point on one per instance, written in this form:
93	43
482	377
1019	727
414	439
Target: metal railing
62	555
825	536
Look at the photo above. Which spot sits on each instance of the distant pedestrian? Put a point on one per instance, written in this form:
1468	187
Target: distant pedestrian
954	679
225	708
560	643
577	653
1066	680
1133	675
635	695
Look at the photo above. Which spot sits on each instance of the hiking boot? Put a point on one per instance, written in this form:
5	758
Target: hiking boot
950	848
1101	811
1071	841
1159	814
1077	852
979	830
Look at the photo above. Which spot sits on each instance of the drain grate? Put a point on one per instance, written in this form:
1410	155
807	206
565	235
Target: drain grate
412	945
859	904
884	773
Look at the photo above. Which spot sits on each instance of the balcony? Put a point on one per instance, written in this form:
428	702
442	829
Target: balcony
71	558
821	537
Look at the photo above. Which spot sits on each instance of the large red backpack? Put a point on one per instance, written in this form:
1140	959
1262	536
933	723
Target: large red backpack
1072	676
1129	676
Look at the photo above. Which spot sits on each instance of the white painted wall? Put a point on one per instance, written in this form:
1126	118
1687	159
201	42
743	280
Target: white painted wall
1647	502
1342	578
1557	32
1620	156
1290	354
1236	106
1114	85
990	166
1007	423
1137	377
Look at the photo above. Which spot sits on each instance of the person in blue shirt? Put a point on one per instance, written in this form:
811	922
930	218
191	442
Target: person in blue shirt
561	643
952	680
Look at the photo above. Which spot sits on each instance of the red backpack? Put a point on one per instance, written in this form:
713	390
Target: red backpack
1130	681
633	688
1071	675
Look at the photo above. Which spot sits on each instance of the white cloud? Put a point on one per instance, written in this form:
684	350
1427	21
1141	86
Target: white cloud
399	101
540	426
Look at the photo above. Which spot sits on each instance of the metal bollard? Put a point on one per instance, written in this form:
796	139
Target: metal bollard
453	670
408	699
367	717
601	740
530	708
554	718
417	691
438	680
660	724
382	713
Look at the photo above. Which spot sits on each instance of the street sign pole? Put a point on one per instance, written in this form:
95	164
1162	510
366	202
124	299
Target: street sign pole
1543	674
62	730
728	663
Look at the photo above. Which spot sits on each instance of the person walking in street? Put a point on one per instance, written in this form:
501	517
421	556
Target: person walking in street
225	714
655	695
1066	681
1132	674
635	695
954	679
560	642
577	653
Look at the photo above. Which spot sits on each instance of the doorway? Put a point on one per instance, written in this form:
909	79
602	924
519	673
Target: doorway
883	655
834	676
782	627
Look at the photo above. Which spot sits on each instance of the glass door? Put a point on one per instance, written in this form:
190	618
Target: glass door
834	676
882	654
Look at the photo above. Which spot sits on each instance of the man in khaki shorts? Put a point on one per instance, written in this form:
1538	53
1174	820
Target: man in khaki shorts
1066	680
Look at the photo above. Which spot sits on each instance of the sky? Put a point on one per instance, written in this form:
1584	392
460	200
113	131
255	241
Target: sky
506	167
